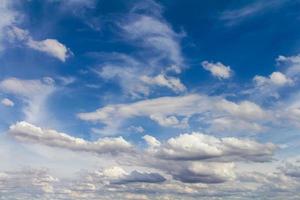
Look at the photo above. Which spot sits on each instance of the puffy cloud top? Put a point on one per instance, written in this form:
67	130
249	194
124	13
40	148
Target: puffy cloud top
26	132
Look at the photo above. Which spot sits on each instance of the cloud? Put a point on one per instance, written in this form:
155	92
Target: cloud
155	34
7	102
158	59
8	17
26	182
236	16
51	47
161	80
291	169
140	177
272	85
276	79
292	64
34	93
229	125
152	142
167	111
197	146
217	69
39	183
75	3
25	132
210	173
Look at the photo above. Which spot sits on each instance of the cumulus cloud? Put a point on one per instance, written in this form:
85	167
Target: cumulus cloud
197	146
26	132
272	85
210	173
217	69
277	79
51	47
7	102
26	182
40	183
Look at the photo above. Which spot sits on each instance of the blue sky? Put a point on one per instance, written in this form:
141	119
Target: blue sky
150	99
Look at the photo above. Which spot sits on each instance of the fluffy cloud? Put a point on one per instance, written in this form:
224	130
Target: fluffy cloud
275	79
25	132
217	69
209	173
40	183
51	47
7	102
272	85
197	146
26	182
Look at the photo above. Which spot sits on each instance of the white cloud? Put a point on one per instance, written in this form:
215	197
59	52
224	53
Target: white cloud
34	93
159	56
167	111
292	64
229	125
197	146
7	102
276	79
151	141
217	69
162	80
137	129
209	173
25	132
51	47
8	16
271	86
155	34
235	16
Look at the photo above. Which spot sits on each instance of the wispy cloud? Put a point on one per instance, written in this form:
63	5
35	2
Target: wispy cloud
236	16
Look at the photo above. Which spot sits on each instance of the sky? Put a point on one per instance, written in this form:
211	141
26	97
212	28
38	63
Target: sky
149	99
